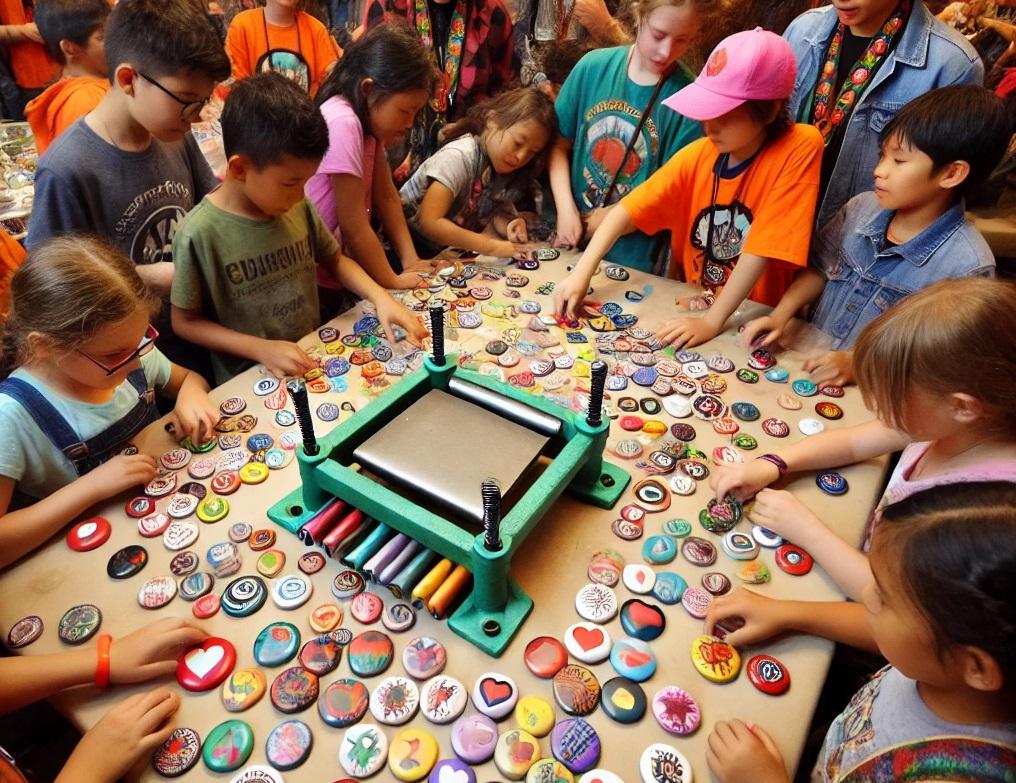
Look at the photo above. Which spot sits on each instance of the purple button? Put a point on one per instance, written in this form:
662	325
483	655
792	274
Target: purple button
474	738
457	770
575	743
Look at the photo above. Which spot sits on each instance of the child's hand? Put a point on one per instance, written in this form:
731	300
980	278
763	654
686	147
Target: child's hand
152	651
127	733
195	413
784	514
501	248
390	312
569	227
569	293
426	266
411	279
686	332
742	481
761	332
517	230
740	751
763	617
121	472
831	367
282	358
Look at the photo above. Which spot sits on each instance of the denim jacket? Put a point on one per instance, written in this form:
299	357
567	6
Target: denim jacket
928	55
864	278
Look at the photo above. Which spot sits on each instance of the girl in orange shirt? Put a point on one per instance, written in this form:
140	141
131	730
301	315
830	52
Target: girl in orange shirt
283	38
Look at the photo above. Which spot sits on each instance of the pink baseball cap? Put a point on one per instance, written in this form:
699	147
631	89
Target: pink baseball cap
751	65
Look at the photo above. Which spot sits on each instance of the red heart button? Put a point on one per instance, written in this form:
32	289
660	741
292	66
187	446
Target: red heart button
588	638
644	615
204	667
495	691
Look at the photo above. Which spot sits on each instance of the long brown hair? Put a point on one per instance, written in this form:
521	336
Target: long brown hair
956	336
67	289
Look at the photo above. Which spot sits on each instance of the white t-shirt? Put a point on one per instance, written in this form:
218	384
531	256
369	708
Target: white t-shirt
31	459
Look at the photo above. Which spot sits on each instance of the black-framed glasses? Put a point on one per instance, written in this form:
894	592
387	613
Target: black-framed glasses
145	346
191	109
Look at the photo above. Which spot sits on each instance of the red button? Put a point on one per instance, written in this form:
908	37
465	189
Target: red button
139	507
89	534
631	423
545	656
768	675
206	606
794	560
204	667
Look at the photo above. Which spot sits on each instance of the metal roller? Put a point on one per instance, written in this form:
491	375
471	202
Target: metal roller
512	410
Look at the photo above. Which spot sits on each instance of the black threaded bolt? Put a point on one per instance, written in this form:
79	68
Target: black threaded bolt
491	514
437	331
298	392
598	379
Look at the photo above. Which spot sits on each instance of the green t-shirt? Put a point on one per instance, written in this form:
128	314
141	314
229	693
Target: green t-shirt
598	109
255	276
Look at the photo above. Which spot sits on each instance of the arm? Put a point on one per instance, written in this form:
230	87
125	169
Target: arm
695	331
807	287
437	227
194	411
236	49
829	449
27	528
363	243
20	33
604	29
280	357
569	221
389	208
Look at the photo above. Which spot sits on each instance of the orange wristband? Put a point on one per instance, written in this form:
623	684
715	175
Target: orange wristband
102	668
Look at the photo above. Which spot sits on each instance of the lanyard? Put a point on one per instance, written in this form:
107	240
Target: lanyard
268	41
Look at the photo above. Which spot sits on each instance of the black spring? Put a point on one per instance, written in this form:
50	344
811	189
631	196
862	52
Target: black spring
298	392
598	379
491	493
437	331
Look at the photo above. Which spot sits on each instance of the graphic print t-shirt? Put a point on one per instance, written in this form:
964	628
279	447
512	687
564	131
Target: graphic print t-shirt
257	277
598	110
135	200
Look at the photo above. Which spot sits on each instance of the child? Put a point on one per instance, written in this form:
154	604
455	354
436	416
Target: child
281	37
369	100
858	63
246	256
939	370
73	31
756	170
942	610
464	195
131	729
88	363
129	170
907	234
31	67
605	149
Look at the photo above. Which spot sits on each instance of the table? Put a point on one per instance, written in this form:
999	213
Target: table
551	567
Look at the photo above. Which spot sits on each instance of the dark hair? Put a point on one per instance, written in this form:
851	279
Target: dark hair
955	549
392	57
164	38
775	114
955	123
69	20
267	116
506	109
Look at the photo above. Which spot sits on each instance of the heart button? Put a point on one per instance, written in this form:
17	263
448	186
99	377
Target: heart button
205	667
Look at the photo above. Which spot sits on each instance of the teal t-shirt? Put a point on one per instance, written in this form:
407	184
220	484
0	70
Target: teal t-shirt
598	109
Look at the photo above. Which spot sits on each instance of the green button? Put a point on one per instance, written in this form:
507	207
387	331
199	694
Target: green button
228	746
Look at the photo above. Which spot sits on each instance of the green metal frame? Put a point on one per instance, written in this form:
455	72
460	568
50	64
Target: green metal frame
495	610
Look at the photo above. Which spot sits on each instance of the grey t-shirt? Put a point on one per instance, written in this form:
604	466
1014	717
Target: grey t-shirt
463	168
888	713
135	200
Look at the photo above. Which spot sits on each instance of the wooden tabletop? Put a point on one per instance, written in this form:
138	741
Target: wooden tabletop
550	566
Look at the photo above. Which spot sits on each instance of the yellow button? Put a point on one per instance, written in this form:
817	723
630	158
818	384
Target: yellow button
654	427
714	659
213	508
413	754
253	473
535	715
549	769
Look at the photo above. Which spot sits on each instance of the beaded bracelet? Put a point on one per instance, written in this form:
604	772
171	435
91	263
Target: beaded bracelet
773	459
102	668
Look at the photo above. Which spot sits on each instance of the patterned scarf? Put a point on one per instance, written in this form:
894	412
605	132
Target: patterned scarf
828	120
453	55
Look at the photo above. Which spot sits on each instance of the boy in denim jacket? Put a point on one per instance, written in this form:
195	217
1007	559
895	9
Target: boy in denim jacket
908	233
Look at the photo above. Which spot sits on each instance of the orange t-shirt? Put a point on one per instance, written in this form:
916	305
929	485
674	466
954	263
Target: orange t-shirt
61	105
31	65
11	256
774	197
304	52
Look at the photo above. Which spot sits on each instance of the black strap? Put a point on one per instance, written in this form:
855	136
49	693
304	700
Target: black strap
605	198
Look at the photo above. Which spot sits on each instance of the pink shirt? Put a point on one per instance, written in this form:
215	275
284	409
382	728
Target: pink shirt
350	151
